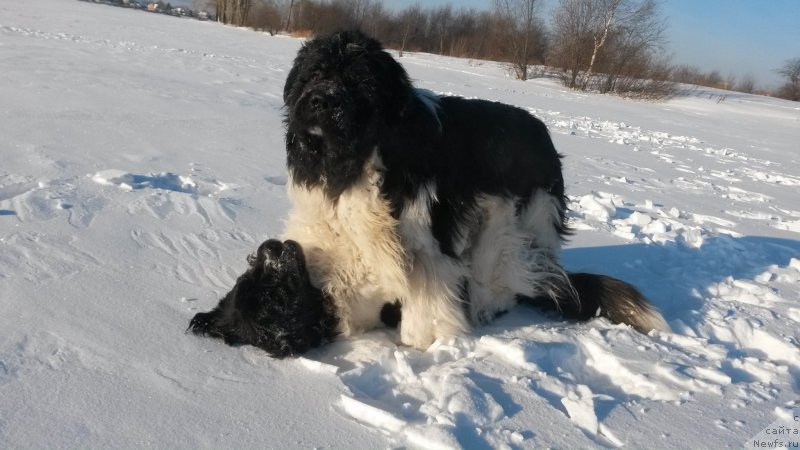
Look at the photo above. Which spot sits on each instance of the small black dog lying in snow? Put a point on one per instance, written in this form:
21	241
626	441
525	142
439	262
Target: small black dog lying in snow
455	208
275	307
272	306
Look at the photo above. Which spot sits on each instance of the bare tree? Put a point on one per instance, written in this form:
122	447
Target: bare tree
289	16
714	79
202	5
463	33
606	45
374	18
747	84
609	8
791	70
524	33
233	12
440	19
266	15
360	10
571	36
410	21
610	46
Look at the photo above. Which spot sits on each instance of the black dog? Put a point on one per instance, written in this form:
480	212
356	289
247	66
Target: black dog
276	285
453	207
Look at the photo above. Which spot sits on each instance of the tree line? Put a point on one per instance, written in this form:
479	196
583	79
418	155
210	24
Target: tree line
608	46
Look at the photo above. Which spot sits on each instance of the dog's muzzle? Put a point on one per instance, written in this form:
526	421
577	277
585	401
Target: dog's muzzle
322	104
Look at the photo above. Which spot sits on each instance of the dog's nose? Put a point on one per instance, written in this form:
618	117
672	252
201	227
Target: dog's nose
321	102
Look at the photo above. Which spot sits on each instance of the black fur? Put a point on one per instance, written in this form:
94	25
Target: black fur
272	306
362	99
600	295
353	107
591	295
391	314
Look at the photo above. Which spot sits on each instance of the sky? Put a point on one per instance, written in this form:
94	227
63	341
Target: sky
739	37
735	36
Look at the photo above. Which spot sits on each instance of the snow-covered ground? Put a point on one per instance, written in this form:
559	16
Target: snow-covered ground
141	160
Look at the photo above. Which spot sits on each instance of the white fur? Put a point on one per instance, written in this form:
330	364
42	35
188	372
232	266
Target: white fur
363	258
353	250
648	318
513	254
431	101
433	307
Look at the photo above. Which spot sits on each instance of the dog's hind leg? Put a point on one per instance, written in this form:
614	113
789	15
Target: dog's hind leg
515	253
577	295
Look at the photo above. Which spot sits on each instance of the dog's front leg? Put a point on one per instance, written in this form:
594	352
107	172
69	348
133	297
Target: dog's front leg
212	323
434	308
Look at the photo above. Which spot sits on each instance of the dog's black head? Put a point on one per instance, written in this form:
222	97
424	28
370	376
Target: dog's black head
341	94
273	305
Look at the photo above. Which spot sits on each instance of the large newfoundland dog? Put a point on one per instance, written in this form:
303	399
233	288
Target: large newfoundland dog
436	212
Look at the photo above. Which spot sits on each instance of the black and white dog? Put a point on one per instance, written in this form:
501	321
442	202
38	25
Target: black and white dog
453	209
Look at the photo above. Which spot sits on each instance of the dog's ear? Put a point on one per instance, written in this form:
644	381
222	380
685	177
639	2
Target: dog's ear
252	259
367	43
291	79
294	266
354	49
353	40
398	91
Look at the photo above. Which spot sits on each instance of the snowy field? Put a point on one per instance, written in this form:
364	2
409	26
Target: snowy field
141	160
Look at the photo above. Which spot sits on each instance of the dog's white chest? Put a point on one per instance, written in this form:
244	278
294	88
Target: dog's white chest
353	247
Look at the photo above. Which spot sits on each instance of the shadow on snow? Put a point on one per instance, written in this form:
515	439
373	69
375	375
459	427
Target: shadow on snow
676	278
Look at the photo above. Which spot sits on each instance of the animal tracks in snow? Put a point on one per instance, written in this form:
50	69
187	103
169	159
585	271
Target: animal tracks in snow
645	222
125	45
35	206
38	256
163	194
26	198
193	258
479	389
692	165
657	143
430	399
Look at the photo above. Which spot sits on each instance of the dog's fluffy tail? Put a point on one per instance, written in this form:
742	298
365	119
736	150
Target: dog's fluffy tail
593	295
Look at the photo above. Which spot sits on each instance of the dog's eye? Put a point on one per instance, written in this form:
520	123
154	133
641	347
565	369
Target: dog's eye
315	75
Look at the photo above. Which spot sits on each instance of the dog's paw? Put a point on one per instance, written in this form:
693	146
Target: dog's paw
391	314
202	324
